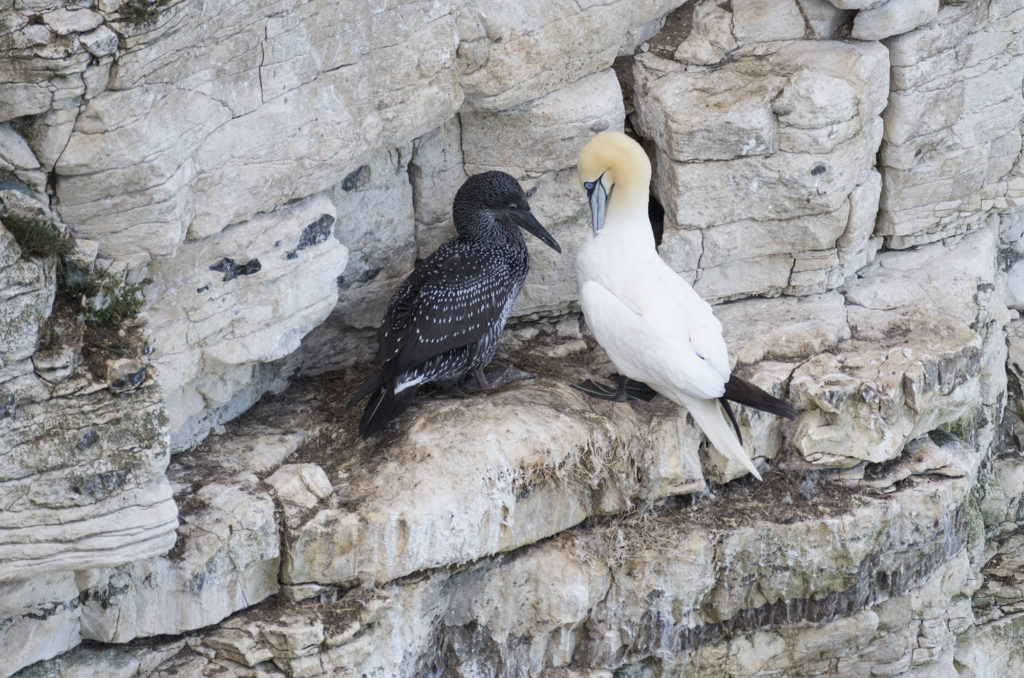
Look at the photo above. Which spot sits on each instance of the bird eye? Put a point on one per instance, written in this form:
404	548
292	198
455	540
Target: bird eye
589	185
513	206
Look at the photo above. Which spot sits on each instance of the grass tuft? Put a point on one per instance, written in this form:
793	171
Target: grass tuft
37	236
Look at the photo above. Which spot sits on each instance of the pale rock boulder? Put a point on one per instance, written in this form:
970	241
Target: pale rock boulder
135	163
42	66
226	308
799	327
824	17
714	29
1011	256
952	143
538	143
374	207
893	18
768	159
913	362
125	169
18	162
39	618
760	21
27	288
226	559
711	36
436	172
511	483
515	52
84	481
768	575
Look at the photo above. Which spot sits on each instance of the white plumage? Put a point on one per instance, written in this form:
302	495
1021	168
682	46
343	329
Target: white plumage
653	325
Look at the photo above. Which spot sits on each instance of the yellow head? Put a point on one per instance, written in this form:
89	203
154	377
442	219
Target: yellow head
612	161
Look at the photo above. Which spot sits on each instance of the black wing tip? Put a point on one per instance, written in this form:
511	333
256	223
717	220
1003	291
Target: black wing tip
745	393
732	418
383	407
372	383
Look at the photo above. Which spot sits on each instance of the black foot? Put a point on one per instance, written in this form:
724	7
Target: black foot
624	389
506	375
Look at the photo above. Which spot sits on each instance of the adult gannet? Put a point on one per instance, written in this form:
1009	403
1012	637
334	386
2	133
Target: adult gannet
445	318
655	328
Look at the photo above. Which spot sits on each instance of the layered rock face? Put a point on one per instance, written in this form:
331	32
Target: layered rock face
842	178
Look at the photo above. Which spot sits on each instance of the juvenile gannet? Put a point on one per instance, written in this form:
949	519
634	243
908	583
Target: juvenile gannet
445	318
652	324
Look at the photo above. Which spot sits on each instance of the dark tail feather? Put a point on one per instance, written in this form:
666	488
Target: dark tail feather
374	382
732	418
381	409
745	393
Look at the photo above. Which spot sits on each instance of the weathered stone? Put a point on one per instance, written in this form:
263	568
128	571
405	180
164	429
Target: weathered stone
97	504
761	20
710	37
952	125
100	42
215	323
125	374
796	135
893	18
545	134
436	172
493	490
512	53
74	20
374	204
823	17
226	559
800	327
910	366
27	288
134	164
301	485
39	618
779	572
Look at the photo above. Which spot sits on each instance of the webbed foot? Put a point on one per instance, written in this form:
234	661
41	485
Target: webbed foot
624	389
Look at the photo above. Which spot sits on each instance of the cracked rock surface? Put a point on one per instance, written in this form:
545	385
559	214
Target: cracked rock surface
842	178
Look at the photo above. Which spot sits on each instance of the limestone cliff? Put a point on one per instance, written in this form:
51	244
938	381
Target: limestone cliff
181	488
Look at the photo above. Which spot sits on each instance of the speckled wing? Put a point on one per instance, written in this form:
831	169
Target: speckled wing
450	301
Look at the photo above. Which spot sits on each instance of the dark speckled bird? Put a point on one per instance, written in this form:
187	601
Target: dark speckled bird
444	320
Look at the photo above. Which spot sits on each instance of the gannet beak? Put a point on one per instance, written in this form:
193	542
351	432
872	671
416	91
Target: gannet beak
529	223
598	198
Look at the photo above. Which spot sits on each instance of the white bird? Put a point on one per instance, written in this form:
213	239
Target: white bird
652	324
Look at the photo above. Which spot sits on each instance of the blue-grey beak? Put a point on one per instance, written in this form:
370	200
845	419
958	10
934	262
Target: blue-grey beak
597	196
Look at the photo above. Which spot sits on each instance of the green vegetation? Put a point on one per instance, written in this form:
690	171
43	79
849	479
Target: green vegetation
109	298
962	428
38	236
141	12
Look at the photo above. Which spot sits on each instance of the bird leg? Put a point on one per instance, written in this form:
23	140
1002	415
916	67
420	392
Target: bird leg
510	373
624	389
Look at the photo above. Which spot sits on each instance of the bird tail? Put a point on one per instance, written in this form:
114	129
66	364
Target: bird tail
383	406
709	417
745	393
374	382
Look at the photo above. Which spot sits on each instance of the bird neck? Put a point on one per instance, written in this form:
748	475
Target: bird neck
627	211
